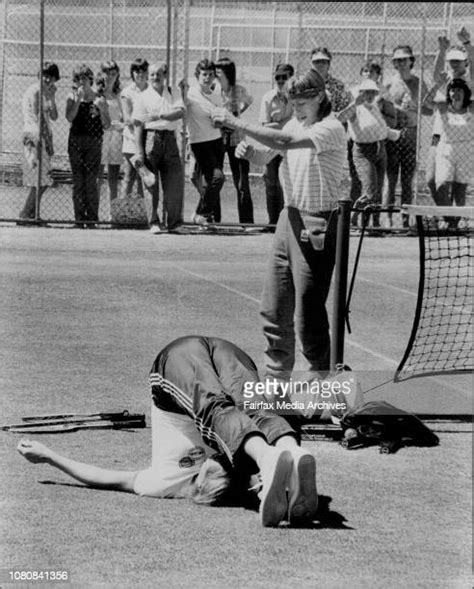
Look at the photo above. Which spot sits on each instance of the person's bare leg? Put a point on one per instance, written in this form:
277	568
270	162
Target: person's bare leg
88	474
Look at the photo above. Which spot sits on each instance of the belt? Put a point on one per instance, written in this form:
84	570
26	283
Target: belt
380	142
160	131
323	214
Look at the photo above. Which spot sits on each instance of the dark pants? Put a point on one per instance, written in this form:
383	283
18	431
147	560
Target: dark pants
84	156
210	159
164	160
294	296
274	191
370	161
204	377
401	160
240	175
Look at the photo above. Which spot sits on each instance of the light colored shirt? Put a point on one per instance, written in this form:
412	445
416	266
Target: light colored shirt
198	115
311	178
151	103
178	453
129	93
368	125
29	105
275	108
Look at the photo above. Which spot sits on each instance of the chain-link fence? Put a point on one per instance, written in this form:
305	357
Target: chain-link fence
256	36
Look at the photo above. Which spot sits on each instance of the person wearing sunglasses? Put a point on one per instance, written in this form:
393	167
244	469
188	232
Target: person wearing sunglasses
275	111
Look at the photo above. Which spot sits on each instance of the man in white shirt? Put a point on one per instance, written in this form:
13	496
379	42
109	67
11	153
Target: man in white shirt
156	113
206	141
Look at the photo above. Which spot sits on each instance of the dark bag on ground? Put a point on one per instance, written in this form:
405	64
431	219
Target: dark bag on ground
379	423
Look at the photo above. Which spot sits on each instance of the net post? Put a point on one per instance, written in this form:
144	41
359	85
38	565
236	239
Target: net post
343	212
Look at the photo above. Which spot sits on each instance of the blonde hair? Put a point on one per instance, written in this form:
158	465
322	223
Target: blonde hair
211	483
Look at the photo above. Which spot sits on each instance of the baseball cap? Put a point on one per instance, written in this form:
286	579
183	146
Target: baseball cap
456	55
402	53
369	85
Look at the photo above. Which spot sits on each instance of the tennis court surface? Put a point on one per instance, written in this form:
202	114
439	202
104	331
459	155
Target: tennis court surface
83	315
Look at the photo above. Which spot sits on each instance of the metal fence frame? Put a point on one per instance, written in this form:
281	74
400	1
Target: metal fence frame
187	19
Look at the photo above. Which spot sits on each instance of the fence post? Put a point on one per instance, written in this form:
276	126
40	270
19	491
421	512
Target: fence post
111	29
184	140
2	70
299	38
211	33
384	39
340	283
420	100
174	61
272	58
40	113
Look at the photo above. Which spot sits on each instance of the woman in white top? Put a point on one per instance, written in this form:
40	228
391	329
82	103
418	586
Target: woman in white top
139	76
31	129
369	131
108	80
453	134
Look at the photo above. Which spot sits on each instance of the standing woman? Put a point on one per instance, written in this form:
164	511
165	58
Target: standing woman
112	140
139	76
236	100
31	129
89	117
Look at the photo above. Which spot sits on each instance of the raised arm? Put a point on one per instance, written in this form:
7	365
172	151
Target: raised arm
280	140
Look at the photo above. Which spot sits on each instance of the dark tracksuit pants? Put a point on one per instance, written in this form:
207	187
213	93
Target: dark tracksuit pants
204	377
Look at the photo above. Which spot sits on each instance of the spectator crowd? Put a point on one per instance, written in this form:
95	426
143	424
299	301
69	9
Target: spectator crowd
133	132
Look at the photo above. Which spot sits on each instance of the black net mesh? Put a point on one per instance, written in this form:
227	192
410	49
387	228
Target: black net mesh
441	339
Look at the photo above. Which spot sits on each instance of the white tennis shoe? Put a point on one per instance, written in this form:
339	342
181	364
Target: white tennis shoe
275	472
303	497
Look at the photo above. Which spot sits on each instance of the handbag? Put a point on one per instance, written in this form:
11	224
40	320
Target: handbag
129	210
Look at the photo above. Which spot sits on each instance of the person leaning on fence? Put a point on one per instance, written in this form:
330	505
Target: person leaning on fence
139	76
453	138
451	63
275	111
108	85
156	113
31	140
237	100
88	114
206	141
404	89
371	70
369	132
314	147
206	442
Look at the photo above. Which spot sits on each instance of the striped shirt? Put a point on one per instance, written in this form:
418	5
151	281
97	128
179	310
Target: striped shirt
310	177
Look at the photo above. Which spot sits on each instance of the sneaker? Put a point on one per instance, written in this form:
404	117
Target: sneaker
199	220
275	473
303	497
155	229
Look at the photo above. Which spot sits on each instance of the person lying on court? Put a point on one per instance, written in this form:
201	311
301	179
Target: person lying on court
205	439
